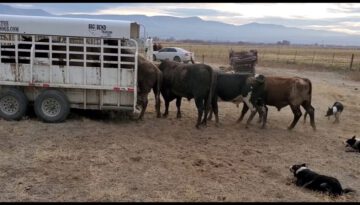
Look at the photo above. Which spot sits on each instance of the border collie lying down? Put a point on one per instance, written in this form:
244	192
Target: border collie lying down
314	181
353	143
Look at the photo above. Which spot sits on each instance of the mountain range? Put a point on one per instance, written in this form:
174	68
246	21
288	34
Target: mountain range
194	28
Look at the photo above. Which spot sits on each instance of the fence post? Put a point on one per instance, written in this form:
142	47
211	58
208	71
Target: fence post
351	62
295	56
312	62
203	58
332	62
278	55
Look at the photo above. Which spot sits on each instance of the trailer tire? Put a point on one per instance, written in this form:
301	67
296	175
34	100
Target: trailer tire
13	104
52	106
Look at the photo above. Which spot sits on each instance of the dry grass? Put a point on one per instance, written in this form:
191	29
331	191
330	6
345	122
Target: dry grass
95	159
354	75
281	56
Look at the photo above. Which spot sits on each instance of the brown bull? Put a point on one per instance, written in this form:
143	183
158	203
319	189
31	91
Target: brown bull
149	77
281	92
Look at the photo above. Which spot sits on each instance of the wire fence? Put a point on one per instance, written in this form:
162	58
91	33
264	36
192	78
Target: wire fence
308	56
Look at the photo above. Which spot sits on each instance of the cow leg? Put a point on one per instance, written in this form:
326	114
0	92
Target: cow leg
144	100
200	107
251	117
297	114
167	102
305	117
210	112
243	112
311	111
264	116
178	105
260	116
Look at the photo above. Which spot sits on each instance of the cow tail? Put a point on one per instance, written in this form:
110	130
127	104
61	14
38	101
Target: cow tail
310	90
310	96
212	87
158	87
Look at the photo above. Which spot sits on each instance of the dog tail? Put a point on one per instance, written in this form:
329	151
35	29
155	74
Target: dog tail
347	190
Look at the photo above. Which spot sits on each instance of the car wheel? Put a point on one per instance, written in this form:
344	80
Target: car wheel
13	104
52	106
177	59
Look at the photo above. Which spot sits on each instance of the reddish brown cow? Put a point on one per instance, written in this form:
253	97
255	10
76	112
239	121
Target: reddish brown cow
281	92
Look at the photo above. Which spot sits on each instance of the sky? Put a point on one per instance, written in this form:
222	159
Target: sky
340	17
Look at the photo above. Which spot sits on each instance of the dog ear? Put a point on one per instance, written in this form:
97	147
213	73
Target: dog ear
303	165
353	137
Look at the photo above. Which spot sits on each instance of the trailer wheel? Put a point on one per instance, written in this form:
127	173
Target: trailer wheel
13	104
52	106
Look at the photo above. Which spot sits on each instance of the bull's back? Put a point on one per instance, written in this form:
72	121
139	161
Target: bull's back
230	86
188	80
281	91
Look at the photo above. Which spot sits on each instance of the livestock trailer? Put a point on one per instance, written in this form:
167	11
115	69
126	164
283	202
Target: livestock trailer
60	63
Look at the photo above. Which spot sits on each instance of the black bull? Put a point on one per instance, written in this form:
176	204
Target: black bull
190	81
236	88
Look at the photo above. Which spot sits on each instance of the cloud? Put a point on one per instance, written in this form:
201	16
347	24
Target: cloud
340	16
20	5
201	12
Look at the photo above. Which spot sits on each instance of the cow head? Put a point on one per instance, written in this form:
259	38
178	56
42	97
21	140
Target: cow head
258	90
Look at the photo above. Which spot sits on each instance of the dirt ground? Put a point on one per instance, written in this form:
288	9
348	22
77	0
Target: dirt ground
99	158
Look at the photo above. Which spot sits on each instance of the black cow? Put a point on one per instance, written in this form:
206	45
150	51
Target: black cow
190	81
237	88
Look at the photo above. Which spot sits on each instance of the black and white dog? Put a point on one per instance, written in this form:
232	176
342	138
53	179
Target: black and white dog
314	181
353	143
336	110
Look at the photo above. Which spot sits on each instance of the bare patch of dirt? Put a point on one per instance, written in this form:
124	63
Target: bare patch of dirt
90	158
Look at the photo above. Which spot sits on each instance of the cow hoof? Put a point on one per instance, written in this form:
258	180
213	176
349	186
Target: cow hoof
289	128
158	116
178	116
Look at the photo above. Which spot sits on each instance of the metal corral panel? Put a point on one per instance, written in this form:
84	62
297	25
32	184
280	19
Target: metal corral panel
61	26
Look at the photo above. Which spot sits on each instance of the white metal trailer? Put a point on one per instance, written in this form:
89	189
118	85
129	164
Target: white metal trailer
62	63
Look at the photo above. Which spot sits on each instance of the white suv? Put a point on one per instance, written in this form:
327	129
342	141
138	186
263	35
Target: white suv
173	53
